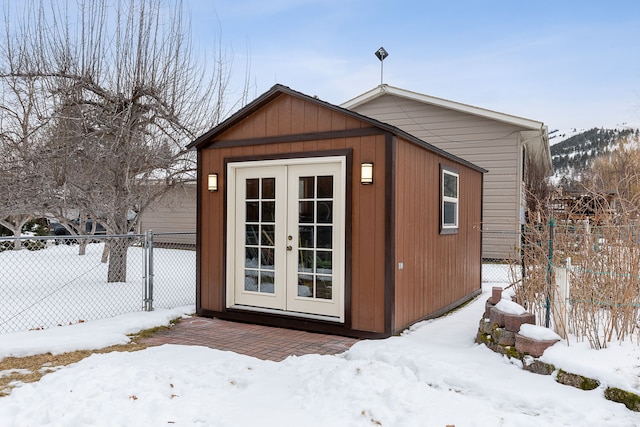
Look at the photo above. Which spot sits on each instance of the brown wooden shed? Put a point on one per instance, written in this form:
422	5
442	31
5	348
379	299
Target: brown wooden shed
292	234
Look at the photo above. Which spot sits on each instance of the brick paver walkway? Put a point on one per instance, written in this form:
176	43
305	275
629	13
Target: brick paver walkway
263	342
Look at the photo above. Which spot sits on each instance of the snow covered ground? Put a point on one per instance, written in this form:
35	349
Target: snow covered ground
56	286
432	375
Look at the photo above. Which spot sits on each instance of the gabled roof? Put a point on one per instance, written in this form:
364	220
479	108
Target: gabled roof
534	133
385	89
277	90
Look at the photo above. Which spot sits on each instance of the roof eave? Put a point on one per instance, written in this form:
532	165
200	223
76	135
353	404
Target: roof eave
445	103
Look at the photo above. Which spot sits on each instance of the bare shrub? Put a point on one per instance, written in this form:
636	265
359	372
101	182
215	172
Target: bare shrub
599	235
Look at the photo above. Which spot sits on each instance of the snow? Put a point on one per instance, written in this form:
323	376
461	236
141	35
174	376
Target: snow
86	336
510	307
538	333
433	374
45	288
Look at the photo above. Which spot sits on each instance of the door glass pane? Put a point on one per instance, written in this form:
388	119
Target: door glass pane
266	259
305	285
324	262
253	188
268	188
253	214
266	283
305	213
324	237
324	288
268	211
251	280
325	187
305	186
251	234
325	212
268	236
251	257
260	232
305	239
305	262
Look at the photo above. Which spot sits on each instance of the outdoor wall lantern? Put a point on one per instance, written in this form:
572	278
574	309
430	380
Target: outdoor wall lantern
212	182
366	173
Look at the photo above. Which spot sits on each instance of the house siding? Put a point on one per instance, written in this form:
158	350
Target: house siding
493	145
174	212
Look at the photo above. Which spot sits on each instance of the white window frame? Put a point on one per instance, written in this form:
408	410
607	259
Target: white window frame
449	228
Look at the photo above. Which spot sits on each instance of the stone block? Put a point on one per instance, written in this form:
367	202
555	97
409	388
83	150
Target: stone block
497	317
577	381
532	346
487	308
512	322
536	366
505	338
485	326
496	295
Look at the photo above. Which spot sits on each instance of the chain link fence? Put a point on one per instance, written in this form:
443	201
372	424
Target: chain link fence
59	280
501	262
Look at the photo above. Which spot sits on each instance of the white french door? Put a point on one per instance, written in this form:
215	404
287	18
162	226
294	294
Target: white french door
286	236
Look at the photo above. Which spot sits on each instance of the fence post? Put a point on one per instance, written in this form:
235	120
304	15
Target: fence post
561	312
547	318
148	288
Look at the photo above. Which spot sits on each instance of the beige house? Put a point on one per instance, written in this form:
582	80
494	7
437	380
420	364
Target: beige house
174	212
498	142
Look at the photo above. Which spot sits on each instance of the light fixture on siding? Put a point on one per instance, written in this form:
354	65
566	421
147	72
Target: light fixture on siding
212	182
366	173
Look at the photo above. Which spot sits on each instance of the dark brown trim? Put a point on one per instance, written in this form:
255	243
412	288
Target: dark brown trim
316	136
389	233
208	138
225	216
347	153
290	322
199	180
348	238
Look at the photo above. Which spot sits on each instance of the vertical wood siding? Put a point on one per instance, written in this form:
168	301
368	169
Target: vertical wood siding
284	116
438	270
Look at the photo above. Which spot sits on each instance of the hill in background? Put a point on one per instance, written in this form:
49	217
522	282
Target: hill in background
573	155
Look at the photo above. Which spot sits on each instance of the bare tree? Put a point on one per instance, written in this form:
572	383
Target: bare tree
128	94
21	128
537	186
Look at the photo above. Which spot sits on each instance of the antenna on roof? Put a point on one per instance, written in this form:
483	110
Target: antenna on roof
381	54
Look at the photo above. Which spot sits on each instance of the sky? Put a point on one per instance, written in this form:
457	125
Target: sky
569	64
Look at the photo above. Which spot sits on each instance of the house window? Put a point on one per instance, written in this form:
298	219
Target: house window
449	185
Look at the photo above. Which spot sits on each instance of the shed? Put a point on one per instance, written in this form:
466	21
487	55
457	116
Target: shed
315	217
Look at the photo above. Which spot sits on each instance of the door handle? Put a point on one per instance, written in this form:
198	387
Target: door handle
289	248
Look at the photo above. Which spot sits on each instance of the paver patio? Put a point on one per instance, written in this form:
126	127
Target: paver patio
263	342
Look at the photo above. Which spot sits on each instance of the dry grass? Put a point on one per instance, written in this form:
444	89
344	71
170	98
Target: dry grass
19	370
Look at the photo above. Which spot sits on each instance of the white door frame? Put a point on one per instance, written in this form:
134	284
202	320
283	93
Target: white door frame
293	305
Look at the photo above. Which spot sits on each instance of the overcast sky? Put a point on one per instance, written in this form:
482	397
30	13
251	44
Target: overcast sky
565	63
